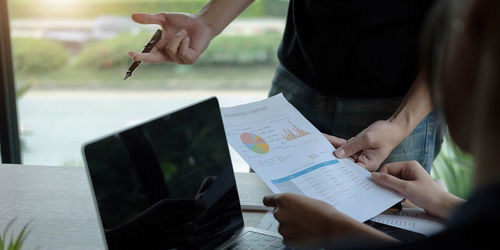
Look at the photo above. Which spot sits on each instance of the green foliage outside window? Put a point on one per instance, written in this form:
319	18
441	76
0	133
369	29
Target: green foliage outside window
455	168
223	50
111	53
94	8
38	55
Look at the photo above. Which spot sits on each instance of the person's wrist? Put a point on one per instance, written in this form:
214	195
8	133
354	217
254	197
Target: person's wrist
444	204
210	16
338	225
399	130
210	26
403	124
358	230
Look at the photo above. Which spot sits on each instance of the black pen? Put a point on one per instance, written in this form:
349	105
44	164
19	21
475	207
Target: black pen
151	44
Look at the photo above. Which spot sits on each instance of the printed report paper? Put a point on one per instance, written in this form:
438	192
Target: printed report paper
290	155
413	219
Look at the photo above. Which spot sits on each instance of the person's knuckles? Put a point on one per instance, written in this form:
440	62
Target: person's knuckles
410	171
163	18
363	159
383	170
171	49
169	59
404	187
187	57
352	147
392	182
394	168
367	139
383	179
413	164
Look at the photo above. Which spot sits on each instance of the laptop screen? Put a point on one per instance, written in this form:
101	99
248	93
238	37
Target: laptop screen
167	183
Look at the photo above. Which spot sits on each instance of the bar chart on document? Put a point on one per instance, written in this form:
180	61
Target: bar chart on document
291	155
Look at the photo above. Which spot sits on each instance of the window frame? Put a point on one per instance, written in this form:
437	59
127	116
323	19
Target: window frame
9	130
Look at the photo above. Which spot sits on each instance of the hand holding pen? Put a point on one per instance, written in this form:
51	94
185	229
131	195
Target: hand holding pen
184	38
149	46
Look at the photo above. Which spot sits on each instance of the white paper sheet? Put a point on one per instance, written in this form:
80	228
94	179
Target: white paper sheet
412	219
291	155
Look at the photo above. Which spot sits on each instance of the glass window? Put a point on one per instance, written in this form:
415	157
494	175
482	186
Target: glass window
70	57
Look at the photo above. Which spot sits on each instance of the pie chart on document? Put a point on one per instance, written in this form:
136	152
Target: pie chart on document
255	143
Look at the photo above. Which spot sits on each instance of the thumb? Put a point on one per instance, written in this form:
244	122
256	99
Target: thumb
271	200
149	18
389	181
350	148
335	141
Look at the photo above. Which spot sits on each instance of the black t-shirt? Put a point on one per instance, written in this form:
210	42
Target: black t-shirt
354	48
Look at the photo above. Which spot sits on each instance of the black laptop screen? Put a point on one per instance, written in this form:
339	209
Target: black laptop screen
167	183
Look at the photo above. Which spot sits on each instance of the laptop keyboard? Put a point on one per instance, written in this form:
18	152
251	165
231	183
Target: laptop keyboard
253	240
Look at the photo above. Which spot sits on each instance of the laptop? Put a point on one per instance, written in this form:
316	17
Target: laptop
168	183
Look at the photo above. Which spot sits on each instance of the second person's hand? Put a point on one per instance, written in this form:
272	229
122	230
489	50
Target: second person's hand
305	221
185	37
414	183
310	223
372	146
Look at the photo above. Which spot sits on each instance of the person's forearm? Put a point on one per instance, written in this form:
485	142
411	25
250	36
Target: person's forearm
219	13
369	233
415	106
445	204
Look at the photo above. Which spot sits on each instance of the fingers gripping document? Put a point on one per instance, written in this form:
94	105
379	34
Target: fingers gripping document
290	155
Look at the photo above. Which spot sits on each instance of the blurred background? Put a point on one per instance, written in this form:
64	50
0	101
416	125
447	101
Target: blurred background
70	57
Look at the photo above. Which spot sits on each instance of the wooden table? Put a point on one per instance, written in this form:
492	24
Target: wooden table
58	204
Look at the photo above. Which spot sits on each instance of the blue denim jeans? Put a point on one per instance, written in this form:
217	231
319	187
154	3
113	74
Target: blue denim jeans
346	117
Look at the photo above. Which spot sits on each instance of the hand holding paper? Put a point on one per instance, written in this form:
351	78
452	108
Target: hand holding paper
292	156
413	182
318	220
370	147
